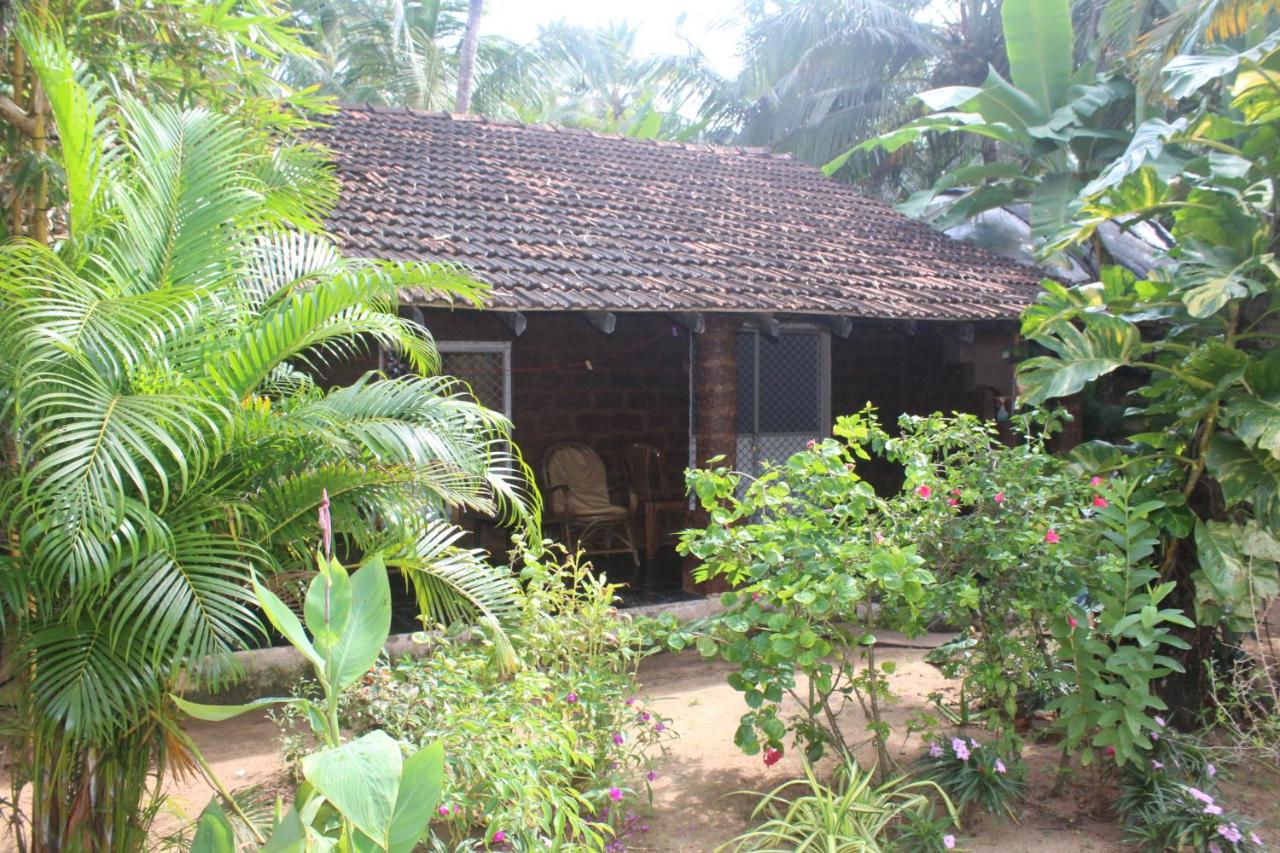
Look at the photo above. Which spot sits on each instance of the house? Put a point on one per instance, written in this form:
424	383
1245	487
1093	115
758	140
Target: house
701	299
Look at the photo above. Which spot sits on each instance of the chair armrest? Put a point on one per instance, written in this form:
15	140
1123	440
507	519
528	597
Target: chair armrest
626	496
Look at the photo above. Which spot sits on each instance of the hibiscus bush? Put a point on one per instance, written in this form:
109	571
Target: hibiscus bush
1044	565
547	741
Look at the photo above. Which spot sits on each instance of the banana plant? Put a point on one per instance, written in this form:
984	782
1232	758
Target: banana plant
1052	126
359	795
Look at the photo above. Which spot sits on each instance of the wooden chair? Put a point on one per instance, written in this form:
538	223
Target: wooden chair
653	491
580	505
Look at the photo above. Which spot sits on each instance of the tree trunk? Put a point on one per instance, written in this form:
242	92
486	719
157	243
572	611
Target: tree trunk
467	57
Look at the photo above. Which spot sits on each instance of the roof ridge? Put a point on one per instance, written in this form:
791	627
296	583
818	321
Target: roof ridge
475	118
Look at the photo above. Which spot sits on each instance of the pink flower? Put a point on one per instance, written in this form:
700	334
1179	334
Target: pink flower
999	766
756	596
619	738
615	794
952	502
949	842
879	537
1100	502
810	444
1052	538
644	716
955	492
924	491
499	837
1213	809
1210	770
1156	765
326	523
935	750
651	775
572	698
960	748
1071	620
771	757
1197	794
999	498
1110	752
1231	833
456	808
659	726
631	700
1095	481
1159	720
1253	836
444	810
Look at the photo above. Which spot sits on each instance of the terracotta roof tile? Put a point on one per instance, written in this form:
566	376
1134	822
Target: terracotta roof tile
559	218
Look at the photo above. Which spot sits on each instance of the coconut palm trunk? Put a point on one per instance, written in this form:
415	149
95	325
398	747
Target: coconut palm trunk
467	57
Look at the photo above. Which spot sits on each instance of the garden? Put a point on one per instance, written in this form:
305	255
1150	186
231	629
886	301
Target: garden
1019	646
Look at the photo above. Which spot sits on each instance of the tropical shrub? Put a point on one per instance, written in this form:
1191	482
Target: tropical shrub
166	440
851	813
975	774
546	737
359	794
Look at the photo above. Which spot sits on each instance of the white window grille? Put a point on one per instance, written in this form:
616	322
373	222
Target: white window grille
484	367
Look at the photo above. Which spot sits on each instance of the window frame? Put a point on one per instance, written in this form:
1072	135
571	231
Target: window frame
503	347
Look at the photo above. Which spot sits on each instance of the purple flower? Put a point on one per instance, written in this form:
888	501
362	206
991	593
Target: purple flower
949	842
572	698
1197	794
1253	836
1213	848
999	766
1212	809
1159	721
1210	770
615	794
659	726
1156	765
651	775
619	738
1231	833
644	716
631	700
973	743
961	749
935	750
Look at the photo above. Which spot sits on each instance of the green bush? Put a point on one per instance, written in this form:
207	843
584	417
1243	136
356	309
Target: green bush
549	746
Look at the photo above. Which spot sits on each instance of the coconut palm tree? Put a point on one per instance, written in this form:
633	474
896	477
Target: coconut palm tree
168	441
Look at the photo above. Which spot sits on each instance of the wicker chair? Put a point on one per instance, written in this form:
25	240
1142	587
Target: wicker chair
579	504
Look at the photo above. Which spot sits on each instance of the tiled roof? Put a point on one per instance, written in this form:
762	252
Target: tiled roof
566	219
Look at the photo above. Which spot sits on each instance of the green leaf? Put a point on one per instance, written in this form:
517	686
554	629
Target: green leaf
1236	583
218	713
1147	144
420	786
289	835
1081	355
368	627
1246	475
1039	43
284	621
214	833
361	779
327	607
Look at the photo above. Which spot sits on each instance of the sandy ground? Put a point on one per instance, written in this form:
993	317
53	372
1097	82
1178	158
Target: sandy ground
695	807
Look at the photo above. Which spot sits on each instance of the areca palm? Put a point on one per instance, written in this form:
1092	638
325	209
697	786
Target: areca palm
168	441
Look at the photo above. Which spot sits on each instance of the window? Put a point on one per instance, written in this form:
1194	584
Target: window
483	365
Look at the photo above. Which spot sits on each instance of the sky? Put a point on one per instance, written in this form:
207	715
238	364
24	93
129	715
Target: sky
655	21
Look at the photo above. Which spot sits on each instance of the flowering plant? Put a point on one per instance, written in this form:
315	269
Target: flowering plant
974	774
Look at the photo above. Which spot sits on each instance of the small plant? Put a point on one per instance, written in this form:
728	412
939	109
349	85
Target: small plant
975	775
850	814
369	793
1168	803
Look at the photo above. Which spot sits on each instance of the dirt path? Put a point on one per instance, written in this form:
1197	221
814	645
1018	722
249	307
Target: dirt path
694	805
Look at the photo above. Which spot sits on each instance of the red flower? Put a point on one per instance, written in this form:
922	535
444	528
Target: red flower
771	757
1100	502
1071	620
924	492
999	498
952	502
955	492
1052	538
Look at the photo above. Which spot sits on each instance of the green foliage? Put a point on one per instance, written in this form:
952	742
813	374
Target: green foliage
975	774
552	754
851	813
167	441
798	542
360	794
1168	801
